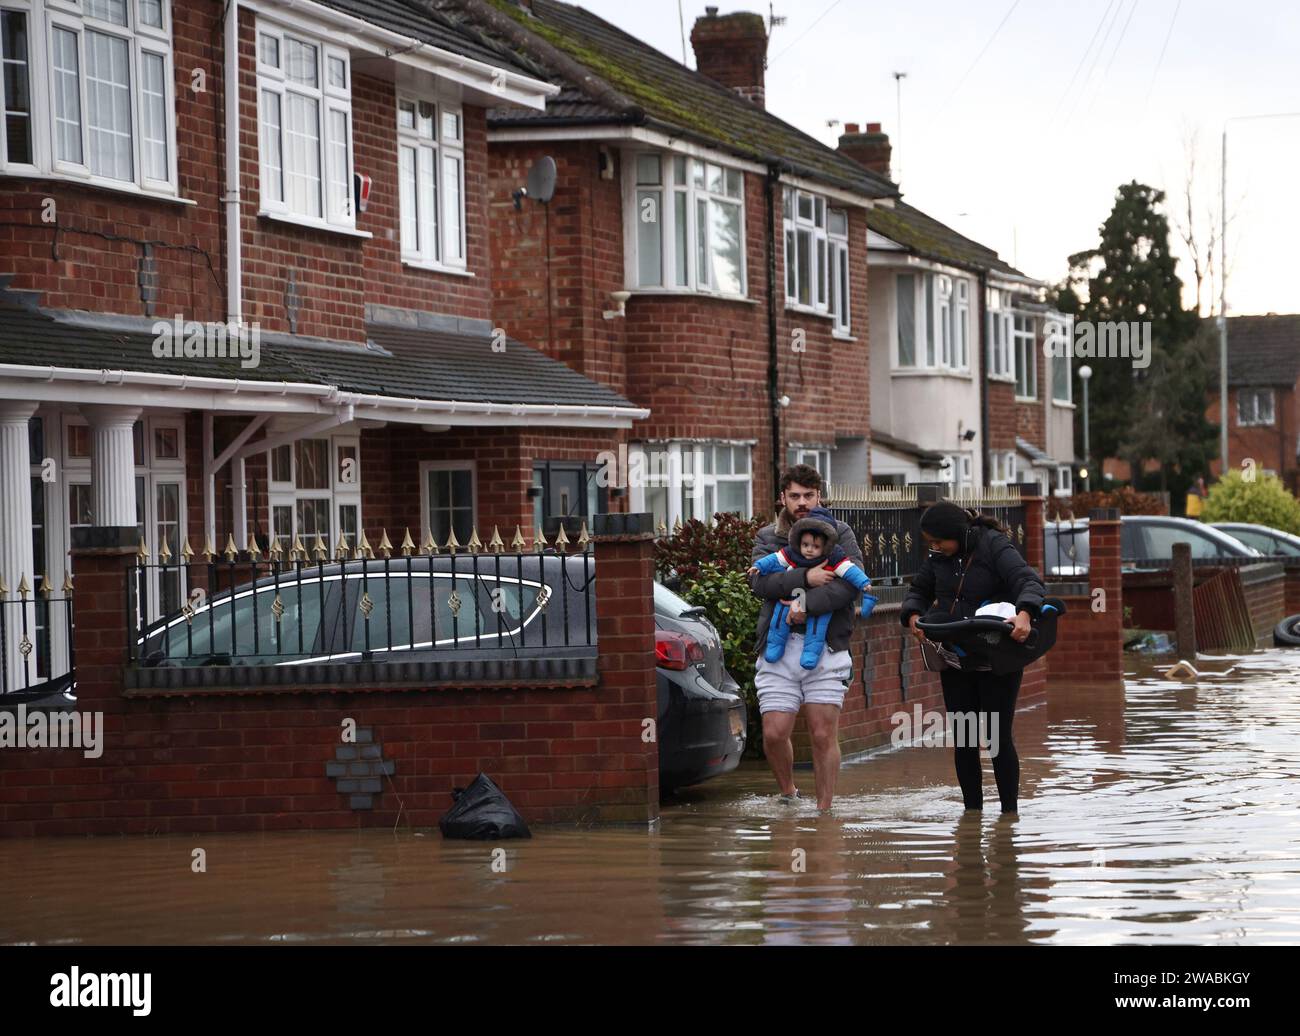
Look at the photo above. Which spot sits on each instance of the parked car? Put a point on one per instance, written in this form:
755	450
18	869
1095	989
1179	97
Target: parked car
1145	540
703	719
505	607
1149	538
1270	542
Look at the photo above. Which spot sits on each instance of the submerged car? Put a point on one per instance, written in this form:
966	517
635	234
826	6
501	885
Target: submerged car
482	608
1270	542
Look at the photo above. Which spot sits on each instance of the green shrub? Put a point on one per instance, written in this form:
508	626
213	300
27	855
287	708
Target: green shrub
1263	501
731	606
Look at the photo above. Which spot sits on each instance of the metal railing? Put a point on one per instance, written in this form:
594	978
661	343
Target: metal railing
28	622
887	522
364	604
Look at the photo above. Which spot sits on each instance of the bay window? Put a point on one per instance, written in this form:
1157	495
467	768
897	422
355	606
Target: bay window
87	91
1026	356
304	127
933	325
688	218
431	168
678	481
816	256
999	335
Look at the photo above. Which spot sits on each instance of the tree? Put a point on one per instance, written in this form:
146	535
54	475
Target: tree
1131	277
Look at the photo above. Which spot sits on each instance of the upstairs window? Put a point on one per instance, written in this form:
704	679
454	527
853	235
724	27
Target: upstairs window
1026	357
816	256
688	225
933	326
1255	406
999	336
304	95
431	169
106	68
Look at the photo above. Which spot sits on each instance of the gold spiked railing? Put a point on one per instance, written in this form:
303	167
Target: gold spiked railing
29	616
362	599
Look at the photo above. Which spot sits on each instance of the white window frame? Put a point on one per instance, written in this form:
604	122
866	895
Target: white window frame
817	456
1059	333
941	328
428	466
668	191
337	212
1001	360
1257	418
1025	353
1065	480
695	478
822	250
43	18
841	275
339	494
439	249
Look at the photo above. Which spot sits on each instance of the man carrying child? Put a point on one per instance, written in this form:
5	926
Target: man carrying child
785	686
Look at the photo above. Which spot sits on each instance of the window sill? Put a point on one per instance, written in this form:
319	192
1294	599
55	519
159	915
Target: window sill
1065	404
1003	378
808	311
930	372
98	182
452	271
312	224
843	336
688	293
1028	399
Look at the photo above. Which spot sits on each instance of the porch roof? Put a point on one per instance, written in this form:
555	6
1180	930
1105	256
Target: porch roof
410	369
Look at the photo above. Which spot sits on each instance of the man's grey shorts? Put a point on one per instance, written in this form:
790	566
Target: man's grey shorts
785	686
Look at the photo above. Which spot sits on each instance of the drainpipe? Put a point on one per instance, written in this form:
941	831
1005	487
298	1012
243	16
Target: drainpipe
230	88
773	363
985	455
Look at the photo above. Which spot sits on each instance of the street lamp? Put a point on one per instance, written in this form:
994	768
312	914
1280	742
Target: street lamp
1223	285
1085	374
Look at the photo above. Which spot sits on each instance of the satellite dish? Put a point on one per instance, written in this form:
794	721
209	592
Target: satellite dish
541	179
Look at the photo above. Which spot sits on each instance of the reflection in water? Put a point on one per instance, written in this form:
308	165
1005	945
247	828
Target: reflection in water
1164	812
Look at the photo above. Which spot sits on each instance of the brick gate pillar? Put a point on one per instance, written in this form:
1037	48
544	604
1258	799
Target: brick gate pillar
101	560
625	639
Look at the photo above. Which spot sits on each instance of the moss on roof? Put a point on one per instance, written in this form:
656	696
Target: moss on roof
927	237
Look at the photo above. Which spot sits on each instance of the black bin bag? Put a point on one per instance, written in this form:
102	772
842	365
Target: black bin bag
482	812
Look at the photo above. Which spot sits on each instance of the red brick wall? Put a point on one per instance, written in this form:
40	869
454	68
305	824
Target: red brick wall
1031	418
1272	447
1089	643
217	762
1003	415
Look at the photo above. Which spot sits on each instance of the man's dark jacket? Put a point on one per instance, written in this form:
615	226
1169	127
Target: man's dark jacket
837	596
995	571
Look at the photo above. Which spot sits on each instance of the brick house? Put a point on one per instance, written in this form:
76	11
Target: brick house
305	349
1263	377
957	331
701	257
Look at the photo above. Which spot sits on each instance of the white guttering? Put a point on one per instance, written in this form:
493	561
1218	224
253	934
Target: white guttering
230	88
496	80
400	408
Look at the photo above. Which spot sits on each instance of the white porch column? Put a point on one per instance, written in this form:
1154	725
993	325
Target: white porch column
112	465
16	541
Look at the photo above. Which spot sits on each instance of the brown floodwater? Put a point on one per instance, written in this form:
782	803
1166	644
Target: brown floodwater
1160	812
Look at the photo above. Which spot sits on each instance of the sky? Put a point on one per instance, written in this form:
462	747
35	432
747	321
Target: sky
1021	119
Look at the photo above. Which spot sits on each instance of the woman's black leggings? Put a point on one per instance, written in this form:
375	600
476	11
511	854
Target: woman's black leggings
976	692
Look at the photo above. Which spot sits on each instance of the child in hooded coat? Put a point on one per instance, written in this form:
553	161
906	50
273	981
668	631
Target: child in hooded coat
813	543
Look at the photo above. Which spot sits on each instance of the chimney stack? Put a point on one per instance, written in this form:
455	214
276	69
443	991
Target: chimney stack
870	149
732	49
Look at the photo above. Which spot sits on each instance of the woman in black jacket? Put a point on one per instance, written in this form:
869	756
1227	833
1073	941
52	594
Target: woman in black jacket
971	562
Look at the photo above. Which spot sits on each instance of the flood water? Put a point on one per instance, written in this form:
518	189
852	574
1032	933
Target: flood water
1160	812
